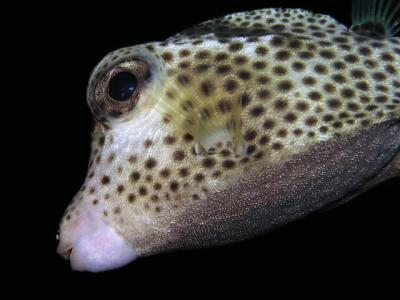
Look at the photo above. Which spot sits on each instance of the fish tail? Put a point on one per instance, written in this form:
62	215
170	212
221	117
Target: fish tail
376	18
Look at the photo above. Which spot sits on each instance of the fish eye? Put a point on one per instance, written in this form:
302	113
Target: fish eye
122	85
116	91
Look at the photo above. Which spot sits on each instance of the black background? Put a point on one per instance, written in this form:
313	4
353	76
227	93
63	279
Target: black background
357	241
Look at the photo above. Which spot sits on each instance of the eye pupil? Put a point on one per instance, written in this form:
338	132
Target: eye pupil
122	86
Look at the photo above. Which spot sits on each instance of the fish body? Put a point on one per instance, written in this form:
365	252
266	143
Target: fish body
230	129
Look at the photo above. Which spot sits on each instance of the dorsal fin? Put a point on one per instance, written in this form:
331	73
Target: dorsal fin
377	19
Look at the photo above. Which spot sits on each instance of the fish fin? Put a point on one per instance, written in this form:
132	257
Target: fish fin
189	103
377	19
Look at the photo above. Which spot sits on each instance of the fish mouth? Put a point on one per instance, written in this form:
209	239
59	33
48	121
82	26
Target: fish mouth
92	245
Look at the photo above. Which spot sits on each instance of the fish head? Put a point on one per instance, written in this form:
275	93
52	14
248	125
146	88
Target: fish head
177	122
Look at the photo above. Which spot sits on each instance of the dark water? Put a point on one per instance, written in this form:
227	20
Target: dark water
339	247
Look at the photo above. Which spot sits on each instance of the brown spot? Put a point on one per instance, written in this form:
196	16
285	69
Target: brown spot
378	76
250	149
362	85
257	111
203	54
263	79
169	140
224	106
131	198
264	140
337	124
285	85
315	96
357	73
282	133
207	88
236	46
250	135
352	106
381	99
225	152
339	65
150	163
216	174
201	68
311	121
327	54
268	124
167	56
280	104
277	41
347	93
277	146
339	78
365	51
208	162
117	210
142	191
309	80
328	118
120	189
290	117
298	66
279	70
259	65
306	55
302	106
184	53
183	79
195	197
282	55
240	60
224	69
105	180
110	158
164	173
187	137
230	85
297	132
228	164
221	56
258	155
178	155
244	75
244	100
95	202
135	176
263	94
334	103
350	58
321	69
147	143
199	177
174	186
387	57
260	50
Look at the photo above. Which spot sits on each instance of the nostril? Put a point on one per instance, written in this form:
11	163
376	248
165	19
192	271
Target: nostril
66	254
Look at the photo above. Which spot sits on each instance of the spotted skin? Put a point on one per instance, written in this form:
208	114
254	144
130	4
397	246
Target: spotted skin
225	101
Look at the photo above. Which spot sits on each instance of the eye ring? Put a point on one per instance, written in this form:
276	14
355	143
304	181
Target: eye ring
118	90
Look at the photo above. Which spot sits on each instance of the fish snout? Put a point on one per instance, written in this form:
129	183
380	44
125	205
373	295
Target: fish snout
92	245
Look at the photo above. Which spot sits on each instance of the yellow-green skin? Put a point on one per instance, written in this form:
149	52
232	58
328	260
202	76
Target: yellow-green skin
247	122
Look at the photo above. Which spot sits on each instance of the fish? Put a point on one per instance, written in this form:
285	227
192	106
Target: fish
233	128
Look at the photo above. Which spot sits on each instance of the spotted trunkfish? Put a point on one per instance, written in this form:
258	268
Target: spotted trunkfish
232	128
